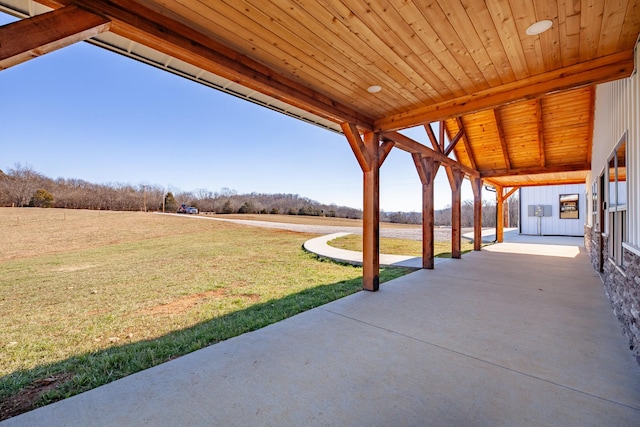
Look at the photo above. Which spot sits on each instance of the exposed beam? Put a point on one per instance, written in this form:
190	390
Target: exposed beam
600	70
29	38
540	127
432	137
535	170
467	144
503	140
407	144
441	134
537	183
134	21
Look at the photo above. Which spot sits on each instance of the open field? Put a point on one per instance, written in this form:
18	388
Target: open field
88	297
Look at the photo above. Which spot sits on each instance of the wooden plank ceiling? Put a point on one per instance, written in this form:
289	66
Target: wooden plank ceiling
525	102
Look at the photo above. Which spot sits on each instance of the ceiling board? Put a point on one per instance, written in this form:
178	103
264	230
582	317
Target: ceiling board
433	60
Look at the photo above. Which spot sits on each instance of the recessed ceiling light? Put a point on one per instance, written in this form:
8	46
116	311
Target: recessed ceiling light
539	27
374	89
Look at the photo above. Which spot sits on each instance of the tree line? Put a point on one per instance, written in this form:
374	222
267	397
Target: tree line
22	186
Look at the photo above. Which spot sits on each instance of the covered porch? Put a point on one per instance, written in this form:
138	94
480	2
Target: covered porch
522	335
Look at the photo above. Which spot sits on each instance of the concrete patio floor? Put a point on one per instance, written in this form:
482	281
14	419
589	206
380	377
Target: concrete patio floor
519	334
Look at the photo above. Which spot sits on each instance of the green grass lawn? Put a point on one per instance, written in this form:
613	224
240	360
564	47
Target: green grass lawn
353	242
88	297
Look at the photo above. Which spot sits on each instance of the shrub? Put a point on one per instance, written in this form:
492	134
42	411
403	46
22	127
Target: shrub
41	199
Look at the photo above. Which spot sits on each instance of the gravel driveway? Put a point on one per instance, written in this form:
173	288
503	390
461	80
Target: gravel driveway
440	234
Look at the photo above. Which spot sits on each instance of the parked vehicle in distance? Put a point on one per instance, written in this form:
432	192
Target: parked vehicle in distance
184	209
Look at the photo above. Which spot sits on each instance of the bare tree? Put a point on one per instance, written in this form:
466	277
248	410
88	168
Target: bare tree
20	183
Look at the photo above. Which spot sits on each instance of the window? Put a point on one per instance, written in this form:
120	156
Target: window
594	204
617	202
569	206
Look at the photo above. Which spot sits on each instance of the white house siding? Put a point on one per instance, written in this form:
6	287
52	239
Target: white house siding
617	112
552	225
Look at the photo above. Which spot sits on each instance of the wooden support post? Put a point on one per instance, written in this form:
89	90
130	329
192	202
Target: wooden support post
499	215
32	37
455	180
476	186
427	168
371	217
369	154
500	210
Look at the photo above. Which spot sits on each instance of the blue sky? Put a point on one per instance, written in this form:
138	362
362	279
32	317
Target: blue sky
83	112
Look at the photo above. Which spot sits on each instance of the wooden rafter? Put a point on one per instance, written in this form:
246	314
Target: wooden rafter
136	22
599	70
503	140
33	37
540	127
535	183
441	134
407	144
432	137
467	145
535	170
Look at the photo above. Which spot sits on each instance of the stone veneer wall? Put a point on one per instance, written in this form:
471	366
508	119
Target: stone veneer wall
622	288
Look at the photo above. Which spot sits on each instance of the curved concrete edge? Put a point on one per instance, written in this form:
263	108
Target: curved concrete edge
319	246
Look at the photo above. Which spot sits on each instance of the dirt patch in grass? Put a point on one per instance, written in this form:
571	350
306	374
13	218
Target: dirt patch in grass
183	304
25	399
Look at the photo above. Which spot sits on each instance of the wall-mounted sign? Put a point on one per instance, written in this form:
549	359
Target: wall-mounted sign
569	206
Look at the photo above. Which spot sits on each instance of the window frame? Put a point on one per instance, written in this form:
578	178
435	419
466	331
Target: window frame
617	220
